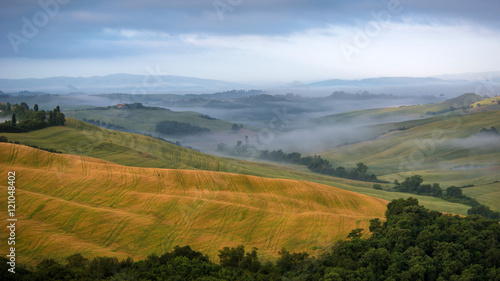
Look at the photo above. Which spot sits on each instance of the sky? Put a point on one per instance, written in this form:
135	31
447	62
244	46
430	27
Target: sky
249	41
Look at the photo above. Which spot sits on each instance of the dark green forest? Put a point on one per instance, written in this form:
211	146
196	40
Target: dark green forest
413	243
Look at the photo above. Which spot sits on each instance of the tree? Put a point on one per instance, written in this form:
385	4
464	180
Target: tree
454	191
424	189
251	261
361	168
77	260
14	121
35	108
236	127
232	257
221	147
397	206
484	211
356	233
436	190
411	184
288	261
51	118
375	225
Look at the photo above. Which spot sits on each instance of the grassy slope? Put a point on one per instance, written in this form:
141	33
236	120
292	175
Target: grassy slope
83	139
432	148
69	203
146	119
491	102
402	112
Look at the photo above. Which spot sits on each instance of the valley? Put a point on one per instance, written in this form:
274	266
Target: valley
120	193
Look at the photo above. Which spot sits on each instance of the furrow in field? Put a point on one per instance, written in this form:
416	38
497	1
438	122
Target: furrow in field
139	211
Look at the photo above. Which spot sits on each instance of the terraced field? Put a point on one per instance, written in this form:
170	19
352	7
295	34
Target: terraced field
68	204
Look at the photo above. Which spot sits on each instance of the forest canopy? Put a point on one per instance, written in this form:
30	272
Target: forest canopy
413	243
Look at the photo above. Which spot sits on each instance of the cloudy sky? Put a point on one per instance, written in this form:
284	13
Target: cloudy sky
249	40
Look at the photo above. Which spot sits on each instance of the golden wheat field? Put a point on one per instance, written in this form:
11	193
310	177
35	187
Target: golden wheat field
68	204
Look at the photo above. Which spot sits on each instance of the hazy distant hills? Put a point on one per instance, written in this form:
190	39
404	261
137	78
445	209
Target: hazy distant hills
382	81
127	83
463	78
486	83
162	84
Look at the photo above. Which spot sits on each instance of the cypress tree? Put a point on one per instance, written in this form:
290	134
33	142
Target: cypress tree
51	118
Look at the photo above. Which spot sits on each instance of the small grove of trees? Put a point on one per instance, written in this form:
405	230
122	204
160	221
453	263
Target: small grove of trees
414	185
236	127
489	132
179	129
104	124
24	119
413	243
360	172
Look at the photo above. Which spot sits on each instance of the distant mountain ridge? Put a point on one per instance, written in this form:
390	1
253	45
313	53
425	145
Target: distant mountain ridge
128	83
382	81
163	84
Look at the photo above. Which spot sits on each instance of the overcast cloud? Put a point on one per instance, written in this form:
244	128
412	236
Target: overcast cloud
249	40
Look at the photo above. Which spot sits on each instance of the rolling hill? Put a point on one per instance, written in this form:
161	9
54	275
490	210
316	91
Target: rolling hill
72	204
446	149
145	119
393	114
486	104
82	139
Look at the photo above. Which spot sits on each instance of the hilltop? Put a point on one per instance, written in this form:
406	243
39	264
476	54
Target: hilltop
73	204
142	118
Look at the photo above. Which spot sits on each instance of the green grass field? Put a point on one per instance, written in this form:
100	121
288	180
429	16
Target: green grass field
145	120
443	149
401	112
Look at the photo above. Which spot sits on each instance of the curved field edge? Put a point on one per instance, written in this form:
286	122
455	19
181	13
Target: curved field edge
80	138
68	204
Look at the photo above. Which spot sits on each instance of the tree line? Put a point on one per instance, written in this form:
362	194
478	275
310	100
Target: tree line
5	139
106	125
24	119
314	163
413	243
454	194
